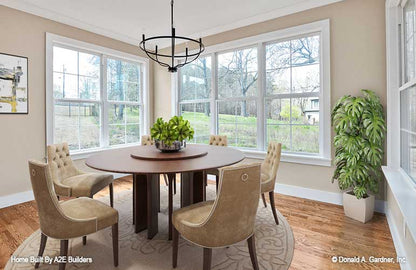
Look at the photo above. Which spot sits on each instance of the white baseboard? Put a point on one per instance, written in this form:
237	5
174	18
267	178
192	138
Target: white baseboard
319	195
296	191
316	195
16	198
398	245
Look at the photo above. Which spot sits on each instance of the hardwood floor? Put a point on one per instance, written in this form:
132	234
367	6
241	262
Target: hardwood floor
321	231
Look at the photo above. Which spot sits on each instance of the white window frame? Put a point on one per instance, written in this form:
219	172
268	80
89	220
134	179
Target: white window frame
401	185
177	102
324	158
144	102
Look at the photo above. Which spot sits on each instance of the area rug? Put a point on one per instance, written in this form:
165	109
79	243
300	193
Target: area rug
275	245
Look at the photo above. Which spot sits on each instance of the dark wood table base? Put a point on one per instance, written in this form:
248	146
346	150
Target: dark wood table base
146	198
146	203
192	188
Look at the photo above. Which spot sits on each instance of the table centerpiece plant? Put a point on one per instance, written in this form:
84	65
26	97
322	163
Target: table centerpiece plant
359	141
171	136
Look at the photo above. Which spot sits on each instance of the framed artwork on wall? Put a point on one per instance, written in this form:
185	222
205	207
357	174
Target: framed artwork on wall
14	91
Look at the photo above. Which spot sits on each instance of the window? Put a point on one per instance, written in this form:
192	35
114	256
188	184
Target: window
292	84
195	81
237	97
408	92
123	96
76	91
261	89
95	95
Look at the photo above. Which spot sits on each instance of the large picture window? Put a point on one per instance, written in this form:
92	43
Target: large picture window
96	99
263	89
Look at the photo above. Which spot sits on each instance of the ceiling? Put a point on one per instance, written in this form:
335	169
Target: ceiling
127	20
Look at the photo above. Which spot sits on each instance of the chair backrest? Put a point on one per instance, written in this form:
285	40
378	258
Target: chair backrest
218	140
60	162
271	163
147	140
233	215
53	222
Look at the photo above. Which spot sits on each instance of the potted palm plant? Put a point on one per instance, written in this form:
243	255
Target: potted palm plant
171	136
360	130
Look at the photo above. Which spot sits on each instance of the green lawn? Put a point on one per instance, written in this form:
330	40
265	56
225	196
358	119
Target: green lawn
242	131
68	118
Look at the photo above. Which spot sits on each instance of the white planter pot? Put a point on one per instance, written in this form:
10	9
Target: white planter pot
358	209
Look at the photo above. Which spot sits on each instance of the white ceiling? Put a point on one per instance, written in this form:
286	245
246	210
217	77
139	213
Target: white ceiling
127	20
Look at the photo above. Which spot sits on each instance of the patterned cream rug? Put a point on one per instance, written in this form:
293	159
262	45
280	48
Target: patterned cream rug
275	245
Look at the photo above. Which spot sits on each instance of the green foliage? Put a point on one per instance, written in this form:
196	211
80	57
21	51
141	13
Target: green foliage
177	129
285	112
360	129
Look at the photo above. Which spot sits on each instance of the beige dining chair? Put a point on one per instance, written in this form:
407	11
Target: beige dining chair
217	140
71	182
68	219
269	169
227	220
147	140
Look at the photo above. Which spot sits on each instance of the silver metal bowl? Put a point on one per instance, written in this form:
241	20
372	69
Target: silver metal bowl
175	147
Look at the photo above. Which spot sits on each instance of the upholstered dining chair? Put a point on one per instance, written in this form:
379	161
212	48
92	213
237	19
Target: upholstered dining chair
147	140
68	219
269	169
71	182
217	140
227	220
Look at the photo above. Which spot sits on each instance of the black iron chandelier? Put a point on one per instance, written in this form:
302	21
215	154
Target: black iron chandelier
176	60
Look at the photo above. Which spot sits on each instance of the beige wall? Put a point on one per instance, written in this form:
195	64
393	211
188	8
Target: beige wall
357	61
22	137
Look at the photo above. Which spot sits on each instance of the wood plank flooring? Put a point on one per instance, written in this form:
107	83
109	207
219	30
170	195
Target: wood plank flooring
321	231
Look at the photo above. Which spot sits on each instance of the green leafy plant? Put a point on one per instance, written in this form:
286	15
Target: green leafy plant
176	129
360	130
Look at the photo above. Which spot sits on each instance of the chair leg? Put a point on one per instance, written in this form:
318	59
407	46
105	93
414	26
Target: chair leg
264	200
166	179
134	199
158	195
43	239
84	240
57	196
175	246
271	196
110	186
205	184
216	182
114	229
207	258
63	253
174	184
252	249
170	203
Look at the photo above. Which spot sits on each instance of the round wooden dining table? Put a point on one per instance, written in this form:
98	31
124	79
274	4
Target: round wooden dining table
146	164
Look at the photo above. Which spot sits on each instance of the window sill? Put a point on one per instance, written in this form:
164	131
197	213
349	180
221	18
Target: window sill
404	191
83	154
292	158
